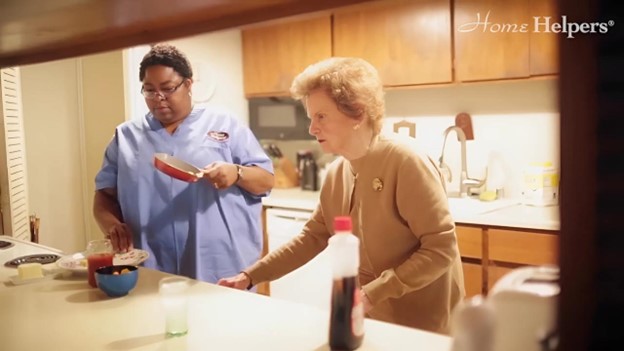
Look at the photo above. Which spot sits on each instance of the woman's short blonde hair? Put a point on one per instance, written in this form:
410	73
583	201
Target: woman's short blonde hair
352	82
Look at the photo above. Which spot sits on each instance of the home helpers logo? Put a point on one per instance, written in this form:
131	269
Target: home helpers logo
540	24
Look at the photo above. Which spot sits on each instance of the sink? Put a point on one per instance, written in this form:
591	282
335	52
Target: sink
462	207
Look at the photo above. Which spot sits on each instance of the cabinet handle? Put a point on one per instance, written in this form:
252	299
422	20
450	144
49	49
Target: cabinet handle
298	219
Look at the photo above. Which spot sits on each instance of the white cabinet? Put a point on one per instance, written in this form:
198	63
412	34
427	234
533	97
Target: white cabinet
311	283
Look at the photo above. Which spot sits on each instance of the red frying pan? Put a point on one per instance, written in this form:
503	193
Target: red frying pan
177	168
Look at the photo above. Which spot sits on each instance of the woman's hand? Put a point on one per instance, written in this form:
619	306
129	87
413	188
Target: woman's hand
366	303
220	174
121	237
240	281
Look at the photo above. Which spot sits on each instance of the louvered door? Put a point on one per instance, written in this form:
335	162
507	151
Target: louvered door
13	180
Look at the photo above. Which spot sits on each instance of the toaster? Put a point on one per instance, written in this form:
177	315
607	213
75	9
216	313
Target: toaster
519	314
524	302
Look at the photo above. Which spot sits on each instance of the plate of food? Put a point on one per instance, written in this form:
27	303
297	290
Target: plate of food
78	261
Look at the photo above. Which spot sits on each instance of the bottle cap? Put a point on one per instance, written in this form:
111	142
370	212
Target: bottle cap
342	224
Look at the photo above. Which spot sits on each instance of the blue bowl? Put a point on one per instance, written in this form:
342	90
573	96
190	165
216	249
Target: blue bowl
114	283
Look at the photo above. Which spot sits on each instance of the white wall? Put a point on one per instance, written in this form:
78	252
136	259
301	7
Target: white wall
514	123
50	97
217	64
102	109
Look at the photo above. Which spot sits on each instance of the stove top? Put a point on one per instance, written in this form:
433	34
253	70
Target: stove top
23	251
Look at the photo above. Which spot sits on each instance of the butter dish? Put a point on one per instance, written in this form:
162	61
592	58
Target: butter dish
16	280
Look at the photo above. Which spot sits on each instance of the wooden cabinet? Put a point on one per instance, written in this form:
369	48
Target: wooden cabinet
494	272
543	45
470	241
408	41
490	253
500	40
489	43
522	247
470	244
473	278
274	54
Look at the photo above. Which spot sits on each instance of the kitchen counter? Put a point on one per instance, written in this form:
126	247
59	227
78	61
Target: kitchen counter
65	313
292	198
500	213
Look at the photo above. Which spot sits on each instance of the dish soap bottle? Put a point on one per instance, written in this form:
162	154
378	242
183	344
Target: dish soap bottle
346	325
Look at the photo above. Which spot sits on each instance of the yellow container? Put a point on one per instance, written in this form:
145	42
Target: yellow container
541	185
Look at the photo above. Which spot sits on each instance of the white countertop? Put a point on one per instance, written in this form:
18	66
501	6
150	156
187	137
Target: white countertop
499	213
293	198
66	314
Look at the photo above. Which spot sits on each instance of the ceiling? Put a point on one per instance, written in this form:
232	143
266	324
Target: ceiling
38	31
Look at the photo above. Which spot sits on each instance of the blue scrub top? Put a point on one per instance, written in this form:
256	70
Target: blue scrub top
190	229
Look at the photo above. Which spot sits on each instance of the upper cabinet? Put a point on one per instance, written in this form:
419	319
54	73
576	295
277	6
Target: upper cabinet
274	54
543	45
500	40
408	41
489	41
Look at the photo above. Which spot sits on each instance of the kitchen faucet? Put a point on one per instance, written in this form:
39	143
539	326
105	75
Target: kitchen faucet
465	183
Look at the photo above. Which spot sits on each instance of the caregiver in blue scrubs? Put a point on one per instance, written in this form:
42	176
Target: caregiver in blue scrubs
205	230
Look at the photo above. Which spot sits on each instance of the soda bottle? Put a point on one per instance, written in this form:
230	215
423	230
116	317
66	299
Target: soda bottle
346	325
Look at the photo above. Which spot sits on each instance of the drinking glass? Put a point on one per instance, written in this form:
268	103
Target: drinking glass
173	295
99	253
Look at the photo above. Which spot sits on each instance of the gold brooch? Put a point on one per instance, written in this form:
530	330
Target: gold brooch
377	184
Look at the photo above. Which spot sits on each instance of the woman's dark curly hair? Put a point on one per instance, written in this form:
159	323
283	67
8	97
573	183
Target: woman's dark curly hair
166	55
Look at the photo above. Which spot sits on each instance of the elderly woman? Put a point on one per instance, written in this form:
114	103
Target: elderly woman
410	269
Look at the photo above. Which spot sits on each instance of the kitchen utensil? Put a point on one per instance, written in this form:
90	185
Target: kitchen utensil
35	223
77	262
40	258
177	168
117	280
308	170
464	121
276	151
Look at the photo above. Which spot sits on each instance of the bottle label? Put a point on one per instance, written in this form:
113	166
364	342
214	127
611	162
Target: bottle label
357	314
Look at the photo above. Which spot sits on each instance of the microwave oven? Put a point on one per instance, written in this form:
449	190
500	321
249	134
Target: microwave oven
278	118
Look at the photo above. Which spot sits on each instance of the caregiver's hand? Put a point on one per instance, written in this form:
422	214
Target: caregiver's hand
121	237
221	175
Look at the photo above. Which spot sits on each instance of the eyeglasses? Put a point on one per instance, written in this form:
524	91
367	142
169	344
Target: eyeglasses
165	93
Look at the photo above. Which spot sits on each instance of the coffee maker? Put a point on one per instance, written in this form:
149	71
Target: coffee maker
308	170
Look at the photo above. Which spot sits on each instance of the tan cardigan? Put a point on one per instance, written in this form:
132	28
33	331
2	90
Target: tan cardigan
407	235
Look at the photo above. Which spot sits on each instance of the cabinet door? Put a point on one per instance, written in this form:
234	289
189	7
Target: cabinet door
309	284
544	46
522	247
473	278
274	54
408	41
470	242
495	272
490	40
